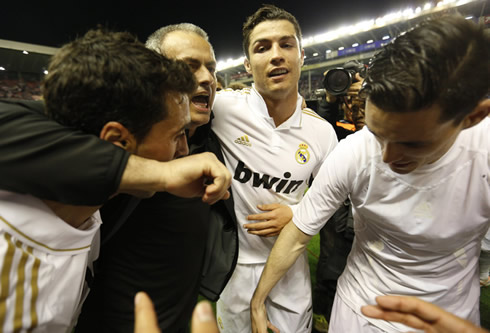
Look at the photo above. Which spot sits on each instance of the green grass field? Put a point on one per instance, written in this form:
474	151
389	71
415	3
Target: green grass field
314	251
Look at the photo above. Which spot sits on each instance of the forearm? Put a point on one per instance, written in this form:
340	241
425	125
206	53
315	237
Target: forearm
142	174
192	176
289	245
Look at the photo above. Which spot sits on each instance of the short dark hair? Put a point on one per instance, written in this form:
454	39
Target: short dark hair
267	13
443	61
111	76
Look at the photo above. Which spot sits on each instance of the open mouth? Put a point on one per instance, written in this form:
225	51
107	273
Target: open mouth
201	101
400	164
278	72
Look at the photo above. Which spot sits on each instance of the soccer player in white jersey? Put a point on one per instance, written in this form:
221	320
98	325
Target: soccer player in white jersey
418	179
109	85
272	146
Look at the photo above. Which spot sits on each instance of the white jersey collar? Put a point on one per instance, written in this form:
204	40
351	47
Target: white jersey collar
258	106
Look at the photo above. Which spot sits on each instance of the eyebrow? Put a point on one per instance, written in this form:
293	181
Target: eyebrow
195	61
283	38
184	127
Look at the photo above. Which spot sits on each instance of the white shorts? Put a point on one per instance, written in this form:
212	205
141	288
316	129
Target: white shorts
289	305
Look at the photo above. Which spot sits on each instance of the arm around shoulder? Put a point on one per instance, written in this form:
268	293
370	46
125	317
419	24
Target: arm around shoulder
45	159
192	176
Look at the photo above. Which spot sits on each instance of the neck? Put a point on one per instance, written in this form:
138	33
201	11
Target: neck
73	215
192	130
281	109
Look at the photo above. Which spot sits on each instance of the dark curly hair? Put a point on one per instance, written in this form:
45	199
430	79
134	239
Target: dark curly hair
110	76
443	61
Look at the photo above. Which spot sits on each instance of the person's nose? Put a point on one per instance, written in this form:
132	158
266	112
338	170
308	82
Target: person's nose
204	76
182	148
277	54
392	152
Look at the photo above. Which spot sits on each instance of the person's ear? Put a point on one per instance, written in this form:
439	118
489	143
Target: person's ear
302	57
119	135
248	68
480	112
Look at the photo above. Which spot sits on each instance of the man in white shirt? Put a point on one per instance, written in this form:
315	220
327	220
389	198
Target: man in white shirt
272	146
418	179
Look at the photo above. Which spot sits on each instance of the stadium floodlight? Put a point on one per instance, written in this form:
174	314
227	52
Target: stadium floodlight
329	51
341	48
2	68
355	44
468	17
418	10
342	31
385	37
25	52
229	63
363	26
408	13
45	72
370	41
427	6
315	54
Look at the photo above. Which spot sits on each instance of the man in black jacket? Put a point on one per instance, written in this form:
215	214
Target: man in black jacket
162	246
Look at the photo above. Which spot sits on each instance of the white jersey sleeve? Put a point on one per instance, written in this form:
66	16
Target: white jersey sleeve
334	183
43	262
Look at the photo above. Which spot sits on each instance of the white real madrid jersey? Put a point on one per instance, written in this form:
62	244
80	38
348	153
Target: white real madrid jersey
269	164
417	234
43	262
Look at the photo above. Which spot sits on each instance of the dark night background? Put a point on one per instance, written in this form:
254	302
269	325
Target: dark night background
53	24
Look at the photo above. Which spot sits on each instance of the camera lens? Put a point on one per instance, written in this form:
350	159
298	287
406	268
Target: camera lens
337	81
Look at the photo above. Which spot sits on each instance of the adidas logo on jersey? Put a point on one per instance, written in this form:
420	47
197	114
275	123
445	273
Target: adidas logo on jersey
243	175
243	140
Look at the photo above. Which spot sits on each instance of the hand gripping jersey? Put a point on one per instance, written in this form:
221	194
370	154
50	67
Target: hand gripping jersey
269	164
43	261
417	234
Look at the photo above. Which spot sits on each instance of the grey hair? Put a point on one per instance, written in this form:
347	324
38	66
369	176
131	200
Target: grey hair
154	42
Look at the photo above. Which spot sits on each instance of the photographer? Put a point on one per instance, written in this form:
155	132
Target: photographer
344	109
341	106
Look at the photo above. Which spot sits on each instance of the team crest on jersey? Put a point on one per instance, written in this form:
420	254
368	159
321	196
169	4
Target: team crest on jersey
302	154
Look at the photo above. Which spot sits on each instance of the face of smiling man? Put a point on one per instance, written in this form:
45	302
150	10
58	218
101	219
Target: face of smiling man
275	59
199	55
